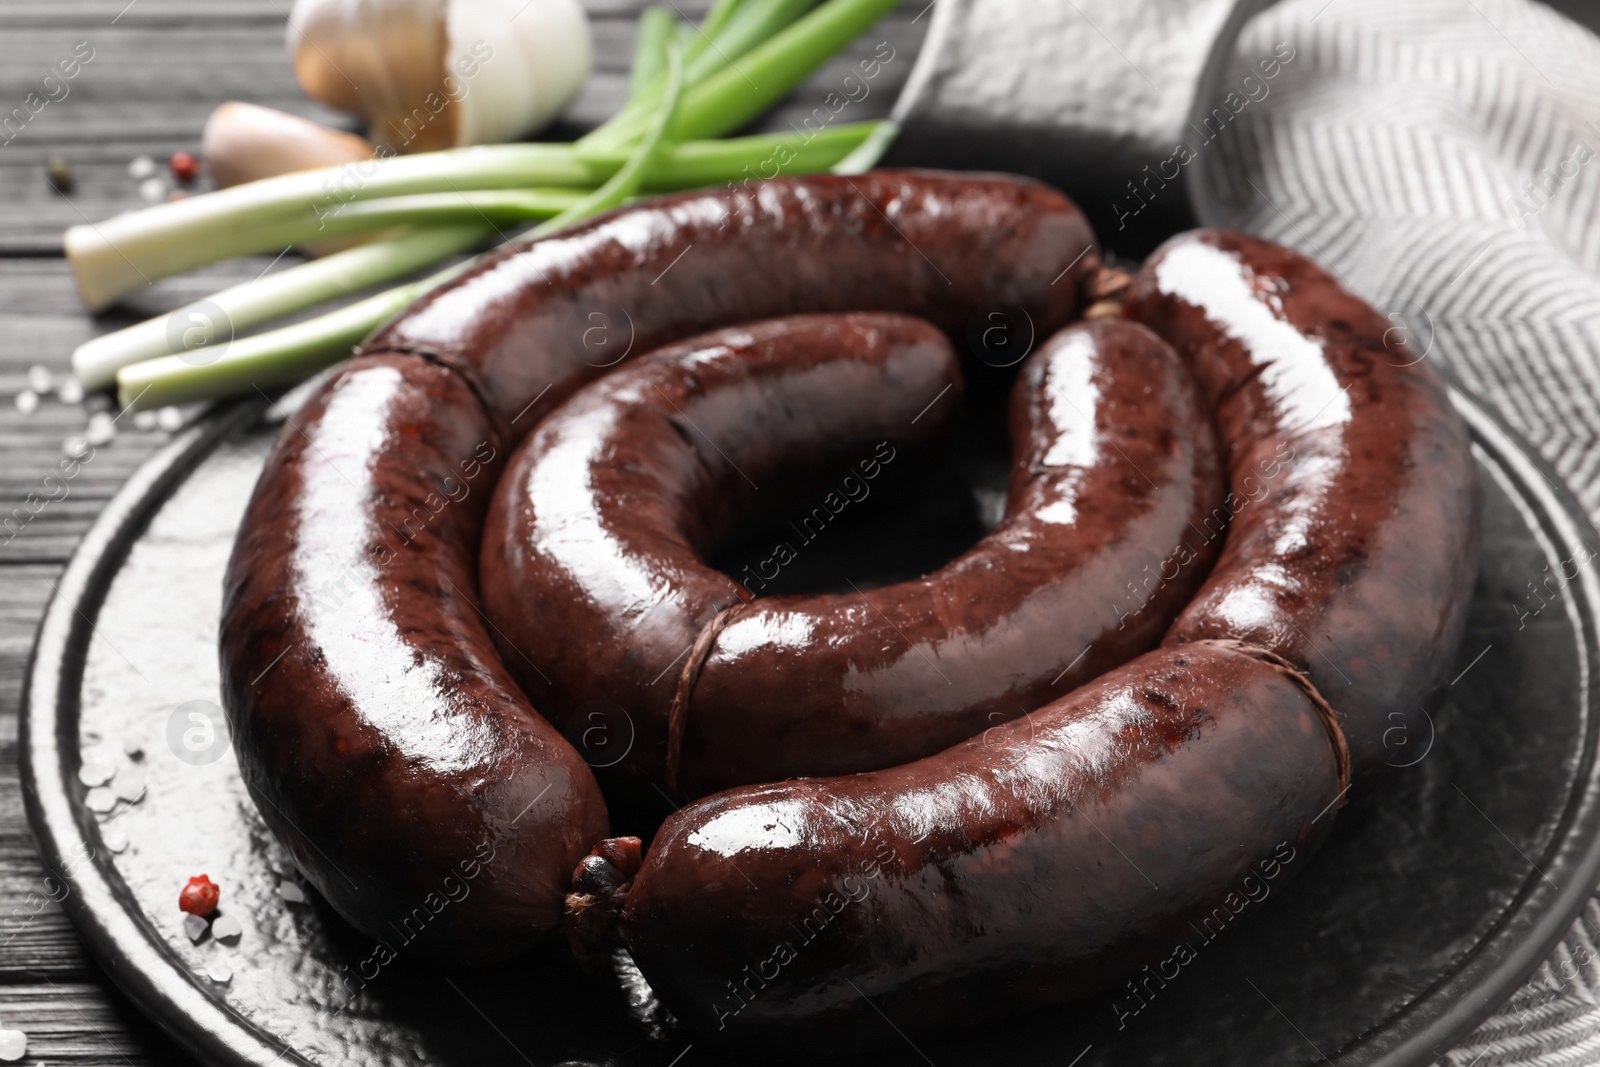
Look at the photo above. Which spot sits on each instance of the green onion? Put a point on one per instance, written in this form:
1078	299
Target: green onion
214	321
656	28
742	30
865	156
699	37
122	254
713	162
731	98
717	43
279	357
749	26
306	285
625	182
117	256
690	86
490	206
288	354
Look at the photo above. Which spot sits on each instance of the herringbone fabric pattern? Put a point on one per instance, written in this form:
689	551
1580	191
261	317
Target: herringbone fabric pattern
1443	156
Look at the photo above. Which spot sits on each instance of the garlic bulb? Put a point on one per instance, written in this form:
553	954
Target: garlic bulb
244	142
431	74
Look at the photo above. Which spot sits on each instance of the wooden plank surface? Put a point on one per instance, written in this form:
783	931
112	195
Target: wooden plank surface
158	68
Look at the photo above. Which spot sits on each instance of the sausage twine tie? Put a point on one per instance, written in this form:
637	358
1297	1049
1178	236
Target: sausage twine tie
678	714
1330	718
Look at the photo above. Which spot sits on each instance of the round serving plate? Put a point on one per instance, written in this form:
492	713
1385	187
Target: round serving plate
1430	903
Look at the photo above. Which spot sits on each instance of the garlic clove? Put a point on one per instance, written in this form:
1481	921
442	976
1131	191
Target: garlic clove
243	142
378	58
367	56
509	84
429	74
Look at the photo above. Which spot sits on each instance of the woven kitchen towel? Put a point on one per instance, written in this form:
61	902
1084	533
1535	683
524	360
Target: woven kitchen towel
1084	94
1443	156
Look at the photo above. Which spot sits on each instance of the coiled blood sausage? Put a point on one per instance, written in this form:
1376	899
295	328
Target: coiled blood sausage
381	736
389	748
593	563
1051	858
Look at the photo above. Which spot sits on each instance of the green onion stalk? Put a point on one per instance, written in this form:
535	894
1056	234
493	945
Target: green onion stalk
745	87
212	323
656	28
739	31
120	255
691	86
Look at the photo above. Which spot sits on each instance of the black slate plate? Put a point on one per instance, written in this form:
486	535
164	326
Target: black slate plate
1428	907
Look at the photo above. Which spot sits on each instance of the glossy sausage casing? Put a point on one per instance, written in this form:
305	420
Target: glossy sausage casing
1354	511
1038	863
593	563
384	742
550	314
1114	465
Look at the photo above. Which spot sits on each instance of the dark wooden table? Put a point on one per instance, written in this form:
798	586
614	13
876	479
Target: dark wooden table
158	68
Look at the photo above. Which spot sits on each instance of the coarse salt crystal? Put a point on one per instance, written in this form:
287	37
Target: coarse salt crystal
95	772
101	429
130	785
226	928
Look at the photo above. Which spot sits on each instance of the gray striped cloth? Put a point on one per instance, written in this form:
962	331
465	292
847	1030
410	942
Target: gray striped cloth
1443	156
